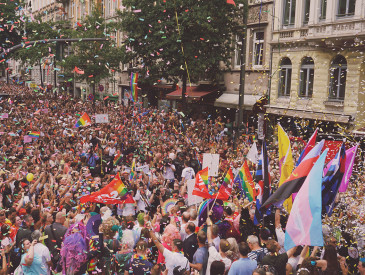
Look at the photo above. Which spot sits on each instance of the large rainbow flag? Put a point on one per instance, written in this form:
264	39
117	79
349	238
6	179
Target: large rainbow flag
245	182
134	87
84	120
114	192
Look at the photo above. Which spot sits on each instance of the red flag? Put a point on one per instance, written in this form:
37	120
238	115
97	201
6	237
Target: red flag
114	192
231	2
200	189
226	187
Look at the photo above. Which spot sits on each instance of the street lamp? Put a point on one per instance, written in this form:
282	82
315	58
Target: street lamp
241	98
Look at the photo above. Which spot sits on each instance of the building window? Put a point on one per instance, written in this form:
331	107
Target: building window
306	78
346	8
285	77
258	48
307	4
289	12
322	9
338	73
237	52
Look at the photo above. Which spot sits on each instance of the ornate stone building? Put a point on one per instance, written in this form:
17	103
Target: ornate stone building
257	65
317	76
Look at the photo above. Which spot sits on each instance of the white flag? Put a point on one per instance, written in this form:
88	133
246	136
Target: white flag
253	155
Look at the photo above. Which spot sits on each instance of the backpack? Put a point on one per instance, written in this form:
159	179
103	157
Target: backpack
259	256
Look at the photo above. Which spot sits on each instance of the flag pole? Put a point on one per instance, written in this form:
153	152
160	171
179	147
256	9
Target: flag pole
217	193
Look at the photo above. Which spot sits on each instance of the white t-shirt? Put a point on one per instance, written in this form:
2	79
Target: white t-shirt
168	173
129	209
215	256
43	252
141	205
174	259
188	173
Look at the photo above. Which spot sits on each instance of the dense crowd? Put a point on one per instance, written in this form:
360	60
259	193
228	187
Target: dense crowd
45	229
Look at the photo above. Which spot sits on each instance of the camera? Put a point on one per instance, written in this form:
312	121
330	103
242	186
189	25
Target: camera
166	162
158	192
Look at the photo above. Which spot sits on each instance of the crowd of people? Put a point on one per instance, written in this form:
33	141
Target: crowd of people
46	230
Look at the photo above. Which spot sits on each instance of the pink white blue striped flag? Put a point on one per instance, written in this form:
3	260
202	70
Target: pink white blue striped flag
304	225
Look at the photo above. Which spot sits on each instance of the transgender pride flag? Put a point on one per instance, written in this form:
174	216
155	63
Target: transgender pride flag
304	225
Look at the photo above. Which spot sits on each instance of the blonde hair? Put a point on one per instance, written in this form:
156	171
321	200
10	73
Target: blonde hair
106	227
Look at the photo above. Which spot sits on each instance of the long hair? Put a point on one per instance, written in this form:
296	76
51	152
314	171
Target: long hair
330	255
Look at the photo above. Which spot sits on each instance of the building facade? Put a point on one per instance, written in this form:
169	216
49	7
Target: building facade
257	64
317	76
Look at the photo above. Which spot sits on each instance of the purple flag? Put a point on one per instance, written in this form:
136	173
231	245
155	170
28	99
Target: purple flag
350	159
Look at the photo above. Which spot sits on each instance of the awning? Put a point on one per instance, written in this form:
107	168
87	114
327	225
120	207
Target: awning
194	93
231	100
315	115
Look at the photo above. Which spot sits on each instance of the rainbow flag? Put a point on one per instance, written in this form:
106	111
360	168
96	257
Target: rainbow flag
134	87
133	170
84	120
117	158
226	187
34	134
114	192
245	182
204	175
201	184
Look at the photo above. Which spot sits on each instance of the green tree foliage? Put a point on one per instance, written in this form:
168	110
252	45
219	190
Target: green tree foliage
166	36
38	30
10	24
97	59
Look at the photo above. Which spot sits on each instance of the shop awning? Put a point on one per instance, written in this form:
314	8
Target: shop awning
194	93
231	100
316	115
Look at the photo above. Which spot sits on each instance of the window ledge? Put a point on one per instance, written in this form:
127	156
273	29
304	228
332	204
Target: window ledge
334	103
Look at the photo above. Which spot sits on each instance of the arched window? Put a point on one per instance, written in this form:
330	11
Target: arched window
338	72
285	77
306	77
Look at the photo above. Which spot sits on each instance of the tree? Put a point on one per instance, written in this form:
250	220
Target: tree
99	59
180	39
10	27
39	53
10	24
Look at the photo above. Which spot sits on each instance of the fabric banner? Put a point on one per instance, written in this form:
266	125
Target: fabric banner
333	146
114	193
192	199
212	162
304	226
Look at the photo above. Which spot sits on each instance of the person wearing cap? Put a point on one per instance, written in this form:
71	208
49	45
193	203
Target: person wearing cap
175	257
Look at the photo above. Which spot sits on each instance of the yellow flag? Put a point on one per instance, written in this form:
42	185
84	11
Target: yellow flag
286	162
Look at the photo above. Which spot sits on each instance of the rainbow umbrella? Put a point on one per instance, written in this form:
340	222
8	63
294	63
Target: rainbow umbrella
217	210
